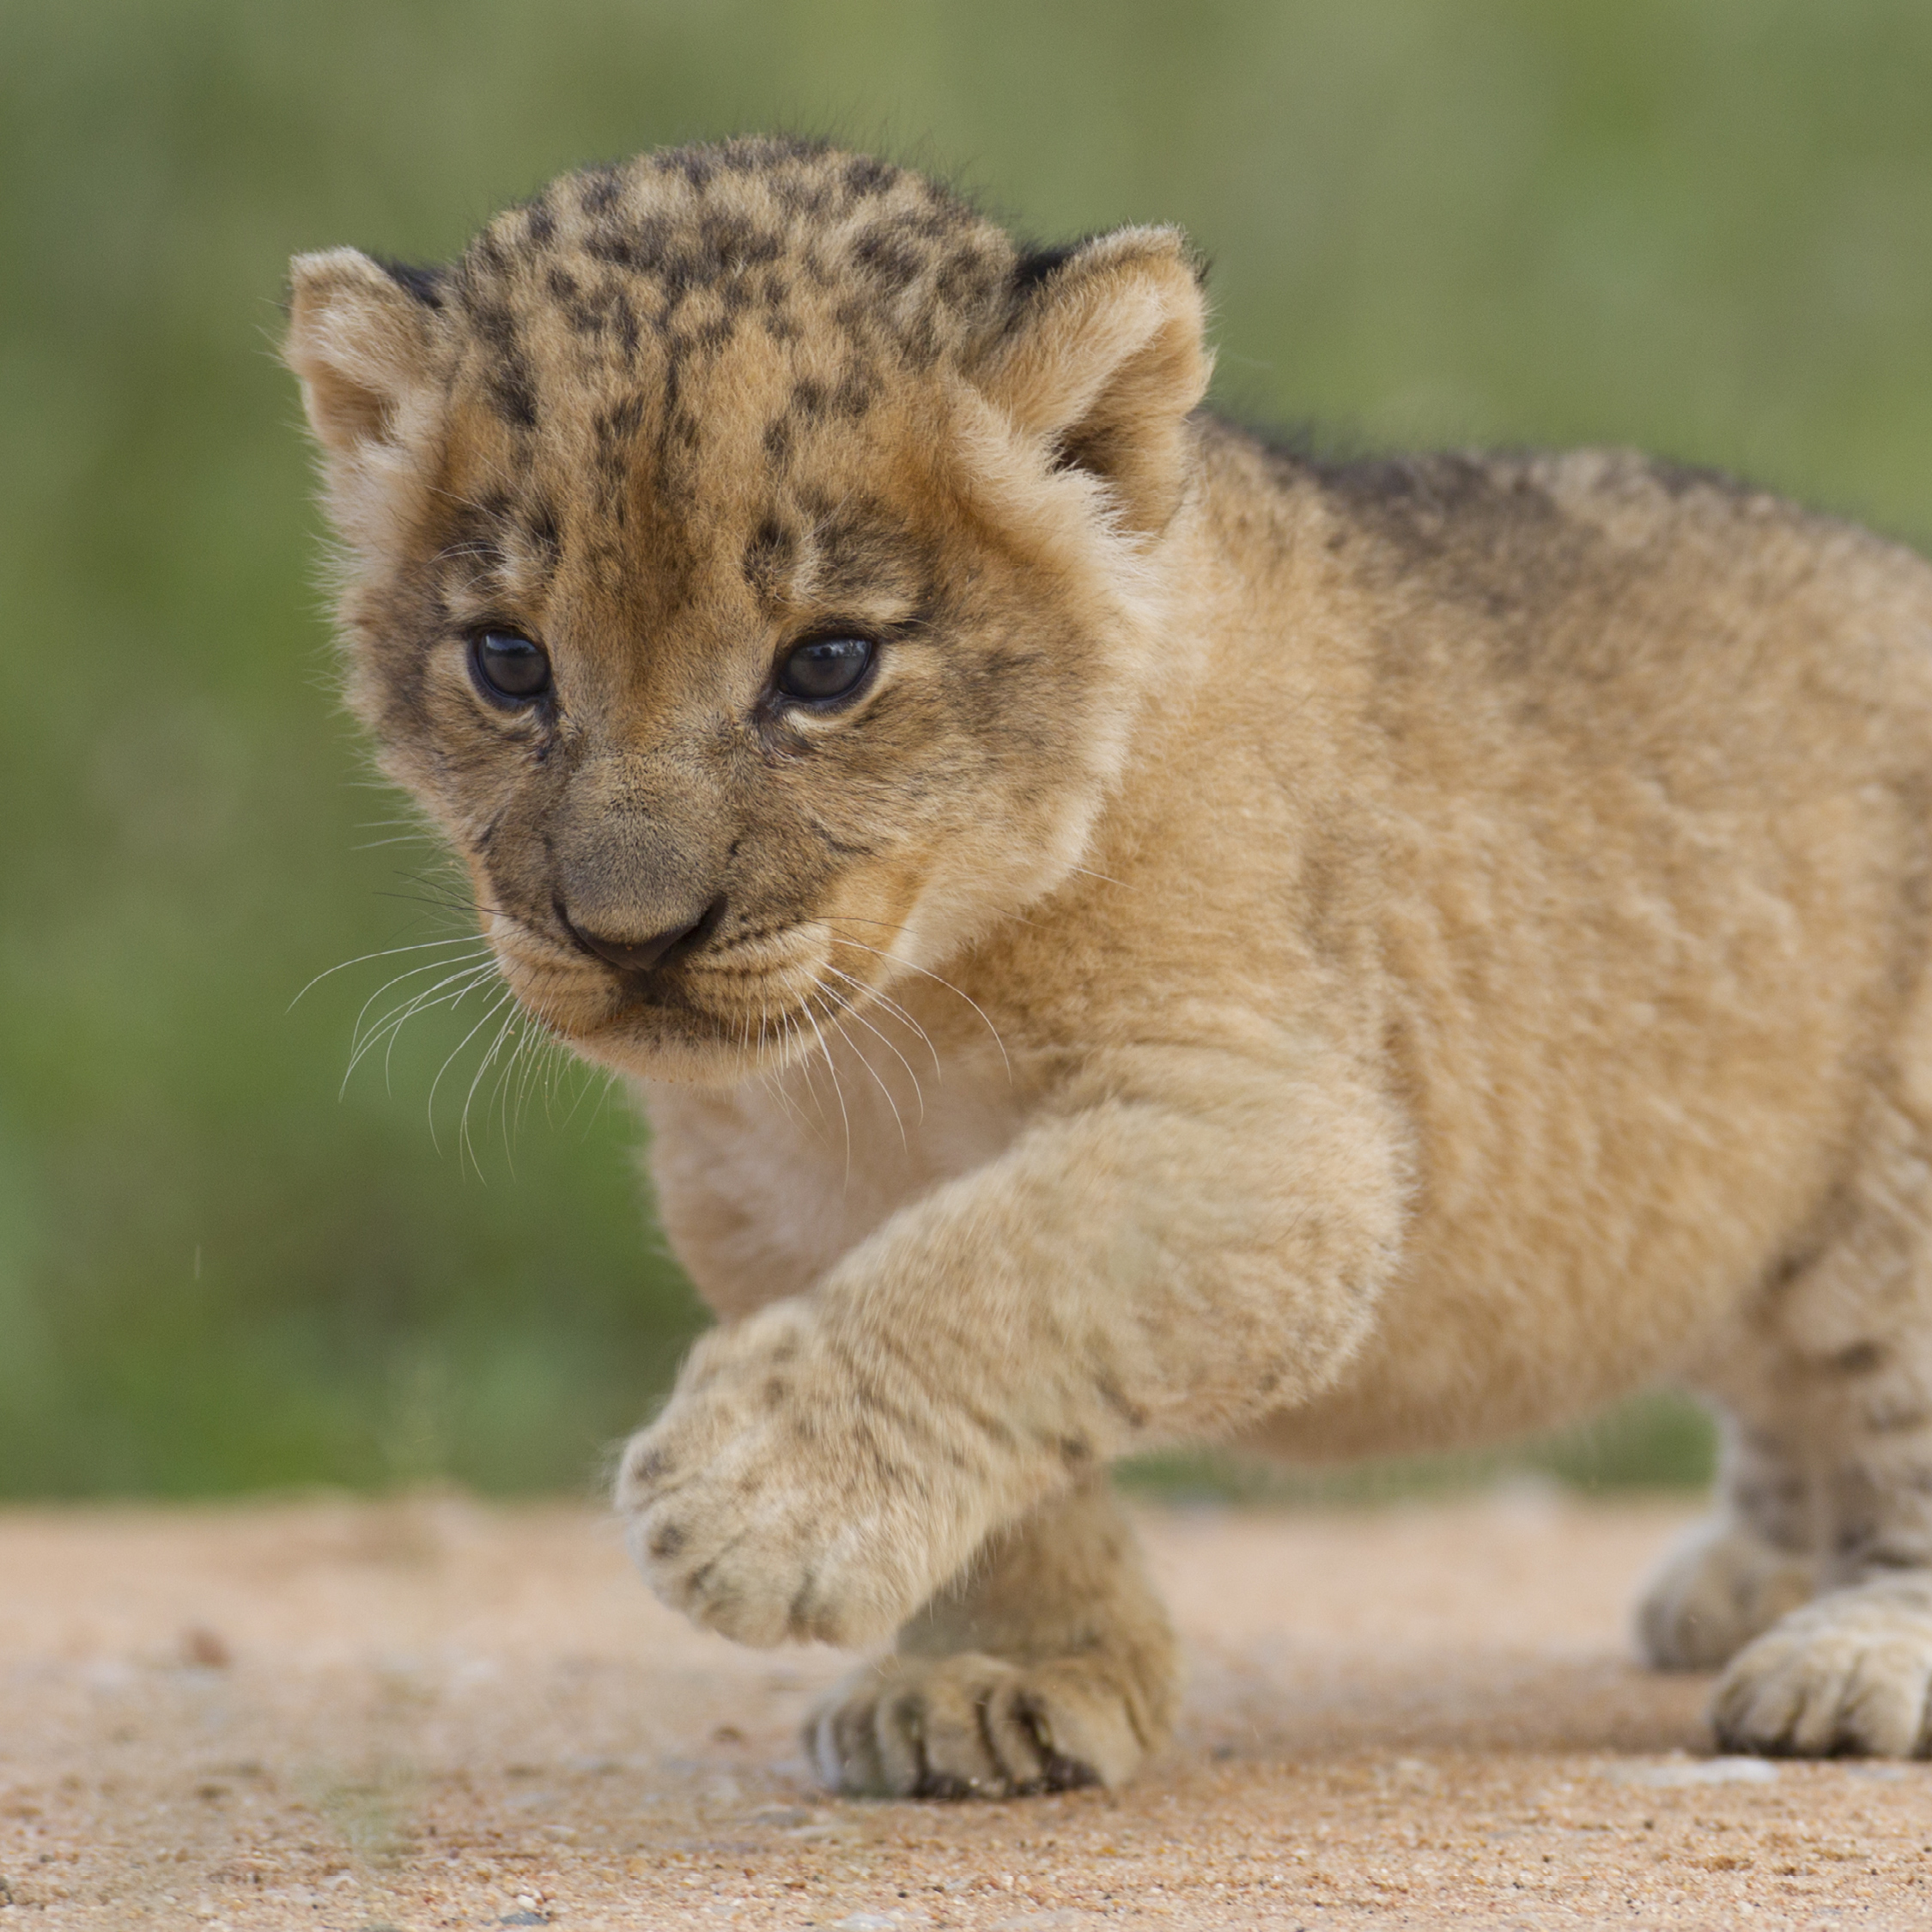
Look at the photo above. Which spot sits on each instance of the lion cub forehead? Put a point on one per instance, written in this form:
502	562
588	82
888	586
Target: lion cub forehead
710	337
829	266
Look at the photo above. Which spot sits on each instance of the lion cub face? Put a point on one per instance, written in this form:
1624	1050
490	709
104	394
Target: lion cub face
750	566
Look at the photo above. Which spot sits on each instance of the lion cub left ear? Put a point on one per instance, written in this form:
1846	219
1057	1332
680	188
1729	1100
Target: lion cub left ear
1102	358
362	339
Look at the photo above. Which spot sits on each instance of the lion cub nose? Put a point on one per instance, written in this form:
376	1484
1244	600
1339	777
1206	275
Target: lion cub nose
638	955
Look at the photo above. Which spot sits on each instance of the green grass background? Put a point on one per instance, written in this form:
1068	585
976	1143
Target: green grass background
1702	226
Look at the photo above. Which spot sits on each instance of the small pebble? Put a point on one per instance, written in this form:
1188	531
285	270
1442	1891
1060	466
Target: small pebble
204	1647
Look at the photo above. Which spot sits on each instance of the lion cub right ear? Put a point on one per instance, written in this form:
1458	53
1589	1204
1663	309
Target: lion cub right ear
363	344
1102	358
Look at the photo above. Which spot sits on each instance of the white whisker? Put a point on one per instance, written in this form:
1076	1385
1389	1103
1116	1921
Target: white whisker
480	959
490	1012
464	1144
388	952
898	1121
846	1007
839	939
838	1090
898	1011
451	991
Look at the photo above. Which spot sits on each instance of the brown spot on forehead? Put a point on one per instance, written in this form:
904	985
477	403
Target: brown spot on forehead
892	260
539	222
499	541
545	527
863	175
854	554
598	190
862	548
770	556
499	355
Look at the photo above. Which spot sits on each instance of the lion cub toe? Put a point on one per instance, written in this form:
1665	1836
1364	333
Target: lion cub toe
1720	1588
973	1726
1852	1673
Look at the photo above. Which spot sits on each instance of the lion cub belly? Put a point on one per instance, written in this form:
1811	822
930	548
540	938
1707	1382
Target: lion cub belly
1449	1376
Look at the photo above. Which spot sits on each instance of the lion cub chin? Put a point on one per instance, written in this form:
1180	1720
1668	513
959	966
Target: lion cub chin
1128	935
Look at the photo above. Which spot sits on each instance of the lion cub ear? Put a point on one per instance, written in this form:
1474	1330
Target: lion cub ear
362	342
1102	357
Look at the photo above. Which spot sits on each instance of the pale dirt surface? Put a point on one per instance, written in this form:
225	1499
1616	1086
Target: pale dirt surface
340	1716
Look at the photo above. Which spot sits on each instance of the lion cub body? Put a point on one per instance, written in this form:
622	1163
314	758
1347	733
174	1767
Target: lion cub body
1346	959
1583	800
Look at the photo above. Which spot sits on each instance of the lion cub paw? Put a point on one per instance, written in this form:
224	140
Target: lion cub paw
972	1726
1715	1591
768	1503
1850	1672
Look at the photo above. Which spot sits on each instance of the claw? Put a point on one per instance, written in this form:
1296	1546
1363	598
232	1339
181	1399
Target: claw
974	1726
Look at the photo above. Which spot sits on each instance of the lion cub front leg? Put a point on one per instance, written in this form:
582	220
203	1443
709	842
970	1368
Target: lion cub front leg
1047	1664
1126	1273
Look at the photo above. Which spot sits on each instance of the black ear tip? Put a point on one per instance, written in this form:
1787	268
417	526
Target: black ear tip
1034	265
426	284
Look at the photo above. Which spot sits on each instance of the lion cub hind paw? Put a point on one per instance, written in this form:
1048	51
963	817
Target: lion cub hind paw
1852	1673
971	1726
1721	1587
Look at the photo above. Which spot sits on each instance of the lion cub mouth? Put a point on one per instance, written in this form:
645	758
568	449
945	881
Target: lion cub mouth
741	1001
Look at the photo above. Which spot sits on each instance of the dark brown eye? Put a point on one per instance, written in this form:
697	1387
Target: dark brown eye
510	668
824	667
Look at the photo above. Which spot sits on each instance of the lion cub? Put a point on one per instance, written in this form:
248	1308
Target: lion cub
1127	936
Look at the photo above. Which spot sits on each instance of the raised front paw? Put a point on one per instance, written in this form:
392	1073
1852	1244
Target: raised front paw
784	1494
1715	1591
972	1726
1850	1672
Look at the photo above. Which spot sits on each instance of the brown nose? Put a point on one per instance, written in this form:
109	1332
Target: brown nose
639	956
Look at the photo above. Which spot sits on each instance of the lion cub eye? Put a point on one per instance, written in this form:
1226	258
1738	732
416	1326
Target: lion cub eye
509	667
824	667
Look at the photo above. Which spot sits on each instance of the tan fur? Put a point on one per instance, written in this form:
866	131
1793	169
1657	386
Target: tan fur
1335	959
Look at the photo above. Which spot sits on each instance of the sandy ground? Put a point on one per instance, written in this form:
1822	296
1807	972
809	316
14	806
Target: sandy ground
436	1713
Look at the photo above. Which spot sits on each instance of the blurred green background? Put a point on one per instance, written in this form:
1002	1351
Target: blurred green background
1701	225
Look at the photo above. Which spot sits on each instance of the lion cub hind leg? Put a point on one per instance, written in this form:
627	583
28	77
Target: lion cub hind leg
1852	1670
1047	1664
1721	1587
1736	1573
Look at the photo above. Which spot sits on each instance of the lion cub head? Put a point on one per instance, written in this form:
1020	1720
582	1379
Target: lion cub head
753	564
